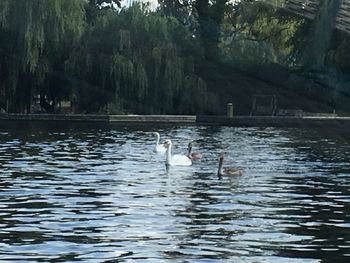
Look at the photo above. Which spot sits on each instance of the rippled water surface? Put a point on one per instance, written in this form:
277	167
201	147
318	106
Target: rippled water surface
100	194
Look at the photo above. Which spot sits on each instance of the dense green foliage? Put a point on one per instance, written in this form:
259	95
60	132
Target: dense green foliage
36	38
186	57
141	60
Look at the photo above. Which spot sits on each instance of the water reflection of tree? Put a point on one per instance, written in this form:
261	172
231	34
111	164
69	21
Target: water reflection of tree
322	184
208	231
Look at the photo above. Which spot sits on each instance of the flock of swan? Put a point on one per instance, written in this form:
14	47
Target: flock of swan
186	160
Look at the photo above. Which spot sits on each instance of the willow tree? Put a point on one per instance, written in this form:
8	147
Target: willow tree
137	61
36	36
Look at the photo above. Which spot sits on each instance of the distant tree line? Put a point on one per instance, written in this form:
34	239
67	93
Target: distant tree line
177	59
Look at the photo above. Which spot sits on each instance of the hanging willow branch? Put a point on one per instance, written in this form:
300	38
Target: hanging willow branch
38	35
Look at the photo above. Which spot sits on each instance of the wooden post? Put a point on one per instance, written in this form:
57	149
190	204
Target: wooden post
230	110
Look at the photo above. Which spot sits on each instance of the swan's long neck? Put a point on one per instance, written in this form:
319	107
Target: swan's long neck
168	154
189	151
158	138
221	161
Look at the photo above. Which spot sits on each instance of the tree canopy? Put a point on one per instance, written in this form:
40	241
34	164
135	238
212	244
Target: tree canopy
36	36
186	57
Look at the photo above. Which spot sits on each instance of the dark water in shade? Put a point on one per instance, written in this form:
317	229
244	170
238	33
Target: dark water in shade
84	194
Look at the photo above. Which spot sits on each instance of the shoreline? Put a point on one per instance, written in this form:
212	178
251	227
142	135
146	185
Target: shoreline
209	120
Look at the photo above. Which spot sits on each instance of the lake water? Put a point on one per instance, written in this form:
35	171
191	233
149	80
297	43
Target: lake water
100	194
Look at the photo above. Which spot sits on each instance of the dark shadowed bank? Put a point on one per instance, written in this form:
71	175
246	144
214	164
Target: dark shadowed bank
155	120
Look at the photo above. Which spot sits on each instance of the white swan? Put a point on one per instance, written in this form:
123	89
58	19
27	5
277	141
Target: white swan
175	160
159	147
230	171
